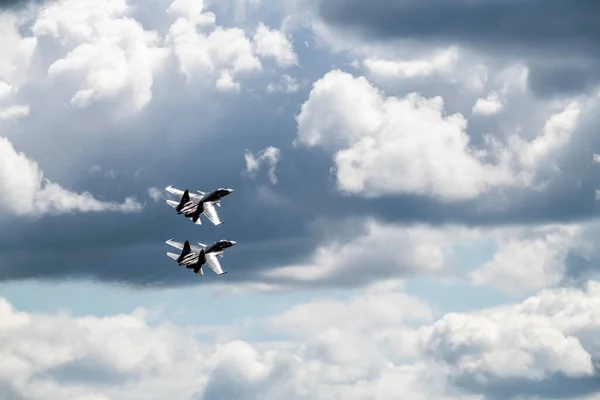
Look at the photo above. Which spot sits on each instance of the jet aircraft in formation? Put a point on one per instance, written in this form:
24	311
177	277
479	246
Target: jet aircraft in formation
193	257
192	206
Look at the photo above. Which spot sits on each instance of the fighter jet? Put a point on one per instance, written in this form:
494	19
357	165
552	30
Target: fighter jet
192	205
193	257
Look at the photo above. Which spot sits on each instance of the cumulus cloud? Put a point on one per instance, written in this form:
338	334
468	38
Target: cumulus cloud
378	251
273	43
320	349
269	156
224	52
99	52
529	260
202	47
512	259
488	106
532	348
380	149
113	362
23	191
107	55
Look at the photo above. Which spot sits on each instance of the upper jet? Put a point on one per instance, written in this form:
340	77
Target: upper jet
192	205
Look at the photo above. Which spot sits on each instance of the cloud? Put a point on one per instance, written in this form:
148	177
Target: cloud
108	54
379	148
374	252
500	29
224	52
156	194
14	112
488	106
287	84
439	62
521	349
23	191
205	368
513	259
273	43
269	156
71	39
450	175
13	4
528	348
529	262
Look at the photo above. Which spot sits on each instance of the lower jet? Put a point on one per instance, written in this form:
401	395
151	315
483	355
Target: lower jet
193	257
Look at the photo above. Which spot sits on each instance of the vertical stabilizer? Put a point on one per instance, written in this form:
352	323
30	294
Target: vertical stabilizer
185	198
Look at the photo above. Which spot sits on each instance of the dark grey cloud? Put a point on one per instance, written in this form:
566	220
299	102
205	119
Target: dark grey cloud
17	4
560	40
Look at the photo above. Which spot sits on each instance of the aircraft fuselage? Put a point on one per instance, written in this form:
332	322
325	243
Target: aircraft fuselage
219	246
195	206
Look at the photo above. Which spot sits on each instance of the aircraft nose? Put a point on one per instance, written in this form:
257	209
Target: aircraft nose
232	242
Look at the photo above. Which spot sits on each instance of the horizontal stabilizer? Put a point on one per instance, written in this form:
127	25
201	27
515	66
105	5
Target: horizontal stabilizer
173	256
172	203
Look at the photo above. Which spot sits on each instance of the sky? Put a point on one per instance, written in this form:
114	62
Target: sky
415	207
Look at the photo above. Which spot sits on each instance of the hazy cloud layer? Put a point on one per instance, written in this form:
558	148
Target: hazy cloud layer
388	341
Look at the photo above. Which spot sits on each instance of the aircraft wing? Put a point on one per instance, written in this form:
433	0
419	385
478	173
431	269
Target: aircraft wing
173	203
179	192
211	213
177	245
214	264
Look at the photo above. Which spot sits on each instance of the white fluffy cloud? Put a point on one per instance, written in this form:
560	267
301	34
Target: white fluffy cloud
527	260
23	191
268	156
99	52
512	259
440	62
392	145
202	47
273	43
107	52
488	106
378	252
323	350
